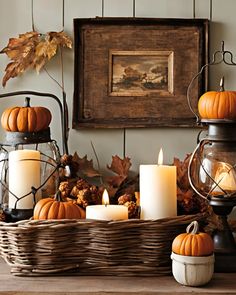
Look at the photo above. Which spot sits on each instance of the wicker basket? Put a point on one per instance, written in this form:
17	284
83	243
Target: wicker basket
90	247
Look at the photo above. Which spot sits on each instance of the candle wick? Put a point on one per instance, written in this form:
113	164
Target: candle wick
106	205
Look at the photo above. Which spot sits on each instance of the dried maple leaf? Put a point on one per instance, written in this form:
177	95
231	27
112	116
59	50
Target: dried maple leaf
116	185
32	50
85	166
121	168
60	38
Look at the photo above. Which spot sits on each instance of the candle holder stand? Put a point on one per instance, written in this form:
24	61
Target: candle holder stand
49	160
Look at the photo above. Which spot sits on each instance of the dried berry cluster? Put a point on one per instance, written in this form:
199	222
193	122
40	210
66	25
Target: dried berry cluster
81	191
129	201
85	194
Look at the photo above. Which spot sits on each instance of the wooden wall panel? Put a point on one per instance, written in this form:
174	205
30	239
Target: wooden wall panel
165	8
202	9
107	142
142	145
223	28
118	8
48	15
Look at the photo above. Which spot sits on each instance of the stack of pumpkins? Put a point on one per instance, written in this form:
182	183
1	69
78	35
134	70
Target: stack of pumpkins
192	257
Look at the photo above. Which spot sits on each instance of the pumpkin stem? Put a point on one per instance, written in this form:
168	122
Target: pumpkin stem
222	82
58	196
195	229
27	102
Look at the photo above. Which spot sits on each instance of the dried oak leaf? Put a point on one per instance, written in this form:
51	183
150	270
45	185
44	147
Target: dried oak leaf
32	50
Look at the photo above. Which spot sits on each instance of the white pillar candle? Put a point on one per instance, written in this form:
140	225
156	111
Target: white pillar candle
106	211
24	172
225	179
158	191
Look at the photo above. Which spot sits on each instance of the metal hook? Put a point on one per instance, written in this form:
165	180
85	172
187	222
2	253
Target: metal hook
228	61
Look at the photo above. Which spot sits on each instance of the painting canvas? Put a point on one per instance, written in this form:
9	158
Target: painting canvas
141	72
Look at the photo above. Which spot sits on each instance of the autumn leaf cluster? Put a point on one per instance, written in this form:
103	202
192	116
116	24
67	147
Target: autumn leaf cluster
188	201
117	181
32	50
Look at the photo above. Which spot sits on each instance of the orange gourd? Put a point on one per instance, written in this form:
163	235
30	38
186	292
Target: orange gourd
56	208
218	104
193	242
26	119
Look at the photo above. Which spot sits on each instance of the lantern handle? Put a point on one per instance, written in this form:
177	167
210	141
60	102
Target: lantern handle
189	171
225	56
62	107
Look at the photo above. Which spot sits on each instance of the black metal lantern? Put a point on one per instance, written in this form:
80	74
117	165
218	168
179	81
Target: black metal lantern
29	163
212	173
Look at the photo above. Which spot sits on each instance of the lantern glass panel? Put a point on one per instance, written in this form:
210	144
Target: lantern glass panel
213	169
49	175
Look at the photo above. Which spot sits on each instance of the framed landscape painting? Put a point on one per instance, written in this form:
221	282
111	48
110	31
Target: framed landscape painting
134	72
140	72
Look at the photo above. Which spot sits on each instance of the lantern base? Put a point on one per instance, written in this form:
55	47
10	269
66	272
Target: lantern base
13	215
225	262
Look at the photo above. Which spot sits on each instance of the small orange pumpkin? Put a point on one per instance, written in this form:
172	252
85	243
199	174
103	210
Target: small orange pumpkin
26	119
56	208
218	104
193	243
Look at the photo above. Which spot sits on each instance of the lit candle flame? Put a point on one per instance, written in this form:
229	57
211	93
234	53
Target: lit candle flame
105	198
225	178
160	157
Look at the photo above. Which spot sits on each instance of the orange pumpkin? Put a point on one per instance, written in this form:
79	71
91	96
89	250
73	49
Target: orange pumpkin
26	119
218	104
56	208
193	243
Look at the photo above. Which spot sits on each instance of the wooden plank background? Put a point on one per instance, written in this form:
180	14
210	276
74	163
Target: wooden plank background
141	145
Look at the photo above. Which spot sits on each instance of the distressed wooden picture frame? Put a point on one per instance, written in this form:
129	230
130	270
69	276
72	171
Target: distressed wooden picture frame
134	72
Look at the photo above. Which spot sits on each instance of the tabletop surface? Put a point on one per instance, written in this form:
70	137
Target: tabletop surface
222	283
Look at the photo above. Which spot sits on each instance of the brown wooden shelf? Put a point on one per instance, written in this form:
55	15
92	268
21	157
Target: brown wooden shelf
222	283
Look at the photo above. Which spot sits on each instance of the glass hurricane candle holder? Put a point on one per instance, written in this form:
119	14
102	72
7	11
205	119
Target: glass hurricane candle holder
29	163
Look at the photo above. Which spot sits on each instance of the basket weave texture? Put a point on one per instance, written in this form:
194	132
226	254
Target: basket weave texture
90	247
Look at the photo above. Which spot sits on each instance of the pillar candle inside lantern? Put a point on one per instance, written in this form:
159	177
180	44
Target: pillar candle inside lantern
24	173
